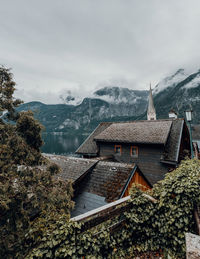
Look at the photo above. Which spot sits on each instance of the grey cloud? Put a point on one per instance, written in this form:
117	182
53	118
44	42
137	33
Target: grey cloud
82	44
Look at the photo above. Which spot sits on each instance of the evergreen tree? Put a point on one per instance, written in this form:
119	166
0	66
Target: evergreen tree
30	195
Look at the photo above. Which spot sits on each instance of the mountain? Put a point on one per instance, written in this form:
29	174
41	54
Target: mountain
178	92
109	103
110	94
78	115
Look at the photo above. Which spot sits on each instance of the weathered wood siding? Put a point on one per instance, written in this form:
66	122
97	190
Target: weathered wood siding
137	179
148	159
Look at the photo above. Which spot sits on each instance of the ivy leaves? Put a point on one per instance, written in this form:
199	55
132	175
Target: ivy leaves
150	226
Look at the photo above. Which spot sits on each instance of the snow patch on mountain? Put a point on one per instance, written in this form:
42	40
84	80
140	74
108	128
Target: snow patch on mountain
194	83
170	81
109	94
117	95
71	98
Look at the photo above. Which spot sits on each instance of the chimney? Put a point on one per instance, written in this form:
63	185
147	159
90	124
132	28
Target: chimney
173	114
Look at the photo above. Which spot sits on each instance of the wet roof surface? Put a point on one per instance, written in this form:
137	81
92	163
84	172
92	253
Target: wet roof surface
152	132
108	179
72	168
173	142
196	132
89	145
87	201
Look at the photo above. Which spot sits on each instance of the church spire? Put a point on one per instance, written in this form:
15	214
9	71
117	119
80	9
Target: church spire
151	112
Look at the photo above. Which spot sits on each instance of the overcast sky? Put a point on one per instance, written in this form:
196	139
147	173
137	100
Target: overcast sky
54	46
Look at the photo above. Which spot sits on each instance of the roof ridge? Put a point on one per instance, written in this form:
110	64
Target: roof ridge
137	121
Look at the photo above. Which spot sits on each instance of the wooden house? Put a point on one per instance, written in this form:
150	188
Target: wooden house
118	154
156	146
97	182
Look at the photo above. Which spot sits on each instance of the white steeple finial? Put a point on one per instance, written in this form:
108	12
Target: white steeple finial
151	112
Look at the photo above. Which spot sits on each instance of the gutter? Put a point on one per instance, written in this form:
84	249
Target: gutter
127	141
128	181
168	162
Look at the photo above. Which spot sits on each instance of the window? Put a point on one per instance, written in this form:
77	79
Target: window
134	151
118	149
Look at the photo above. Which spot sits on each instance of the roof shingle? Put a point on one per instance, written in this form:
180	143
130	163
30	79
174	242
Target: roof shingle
173	143
89	145
149	132
196	132
108	179
72	167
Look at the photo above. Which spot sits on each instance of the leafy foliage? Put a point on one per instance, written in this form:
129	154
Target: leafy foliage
149	226
30	196
29	129
7	88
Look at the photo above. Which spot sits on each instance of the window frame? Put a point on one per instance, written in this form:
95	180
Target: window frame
118	146
131	151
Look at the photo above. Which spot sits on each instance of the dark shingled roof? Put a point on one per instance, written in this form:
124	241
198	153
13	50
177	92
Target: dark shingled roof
173	143
86	202
196	132
89	145
149	132
72	168
103	185
108	179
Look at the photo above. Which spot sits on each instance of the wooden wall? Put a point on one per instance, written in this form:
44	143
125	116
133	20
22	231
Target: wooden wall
148	159
137	179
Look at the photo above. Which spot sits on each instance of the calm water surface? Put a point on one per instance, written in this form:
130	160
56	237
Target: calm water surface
61	143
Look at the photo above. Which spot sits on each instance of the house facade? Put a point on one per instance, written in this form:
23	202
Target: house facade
155	146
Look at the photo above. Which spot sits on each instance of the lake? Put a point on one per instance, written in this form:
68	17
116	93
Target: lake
61	143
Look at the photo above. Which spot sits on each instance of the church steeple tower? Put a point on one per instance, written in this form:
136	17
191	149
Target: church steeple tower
151	112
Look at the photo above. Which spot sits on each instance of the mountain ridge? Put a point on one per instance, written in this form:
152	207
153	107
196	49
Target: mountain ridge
113	103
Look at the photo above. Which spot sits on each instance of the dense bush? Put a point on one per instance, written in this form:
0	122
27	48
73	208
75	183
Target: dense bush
164	224
150	226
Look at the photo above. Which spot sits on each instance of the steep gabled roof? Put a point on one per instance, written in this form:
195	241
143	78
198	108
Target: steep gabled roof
172	147
89	145
166	132
148	132
108	179
104	184
72	168
196	132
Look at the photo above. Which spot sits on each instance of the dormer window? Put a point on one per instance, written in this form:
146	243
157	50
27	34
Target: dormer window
134	151
118	149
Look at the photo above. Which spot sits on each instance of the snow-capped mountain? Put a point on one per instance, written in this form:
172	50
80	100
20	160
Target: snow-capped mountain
81	114
71	98
118	95
110	94
178	92
170	81
108	103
